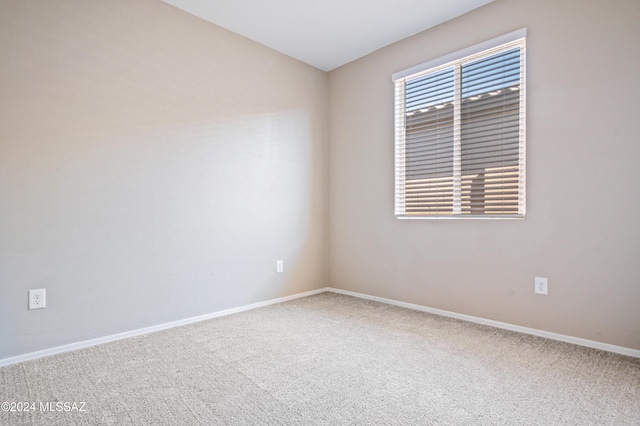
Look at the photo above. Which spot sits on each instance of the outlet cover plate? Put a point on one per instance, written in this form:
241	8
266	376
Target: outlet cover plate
38	299
541	285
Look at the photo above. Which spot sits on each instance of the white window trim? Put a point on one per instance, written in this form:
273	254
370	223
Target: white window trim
444	62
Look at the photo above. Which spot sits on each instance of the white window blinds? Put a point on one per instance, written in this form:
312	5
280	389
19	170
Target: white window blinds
460	133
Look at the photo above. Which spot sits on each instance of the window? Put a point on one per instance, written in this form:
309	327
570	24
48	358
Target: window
460	133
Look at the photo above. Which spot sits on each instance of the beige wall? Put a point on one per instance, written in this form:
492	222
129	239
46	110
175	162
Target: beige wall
153	167
582	229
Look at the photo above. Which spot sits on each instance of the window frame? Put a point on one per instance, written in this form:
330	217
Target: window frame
512	40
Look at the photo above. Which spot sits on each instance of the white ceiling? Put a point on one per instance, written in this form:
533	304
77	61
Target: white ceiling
327	33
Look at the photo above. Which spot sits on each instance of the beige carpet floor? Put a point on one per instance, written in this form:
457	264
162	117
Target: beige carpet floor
327	359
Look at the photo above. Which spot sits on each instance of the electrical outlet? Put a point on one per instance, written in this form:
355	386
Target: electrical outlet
541	285
279	266
38	299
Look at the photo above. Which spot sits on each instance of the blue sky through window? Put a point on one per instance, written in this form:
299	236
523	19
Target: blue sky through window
489	74
485	75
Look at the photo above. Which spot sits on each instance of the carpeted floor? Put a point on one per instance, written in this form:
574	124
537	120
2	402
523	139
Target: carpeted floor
327	359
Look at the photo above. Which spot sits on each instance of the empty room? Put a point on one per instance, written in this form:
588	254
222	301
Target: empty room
385	212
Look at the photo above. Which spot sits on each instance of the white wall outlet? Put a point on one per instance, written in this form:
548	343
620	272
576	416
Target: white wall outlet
541	285
279	266
38	299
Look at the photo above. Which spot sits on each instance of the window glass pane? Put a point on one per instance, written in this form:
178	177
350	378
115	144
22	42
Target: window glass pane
490	120
492	73
430	90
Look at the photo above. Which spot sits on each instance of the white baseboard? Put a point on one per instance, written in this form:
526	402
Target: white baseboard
540	333
100	340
